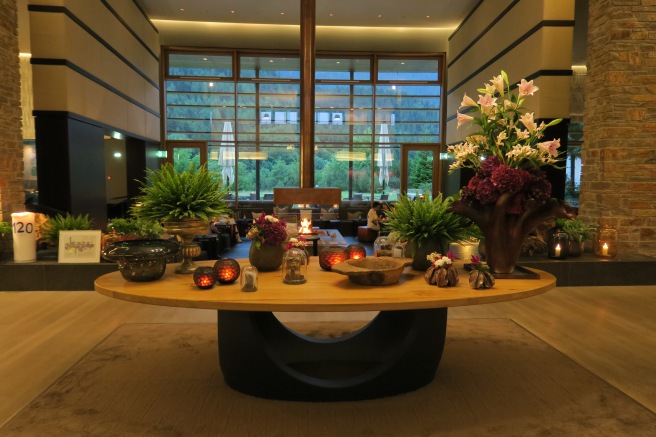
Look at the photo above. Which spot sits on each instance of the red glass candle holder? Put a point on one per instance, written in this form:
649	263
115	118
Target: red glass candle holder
330	256
204	277
356	251
227	270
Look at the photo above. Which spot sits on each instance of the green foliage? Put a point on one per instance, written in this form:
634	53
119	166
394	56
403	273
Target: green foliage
50	229
5	228
173	195
575	229
142	228
423	219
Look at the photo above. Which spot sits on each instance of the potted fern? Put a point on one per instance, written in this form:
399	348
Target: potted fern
51	228
5	238
577	231
184	202
428	226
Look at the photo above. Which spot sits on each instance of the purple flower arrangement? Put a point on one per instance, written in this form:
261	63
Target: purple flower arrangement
267	229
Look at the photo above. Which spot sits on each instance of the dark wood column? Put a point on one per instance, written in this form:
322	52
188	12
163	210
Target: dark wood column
308	21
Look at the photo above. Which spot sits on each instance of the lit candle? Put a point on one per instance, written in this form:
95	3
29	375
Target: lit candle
557	250
604	249
24	236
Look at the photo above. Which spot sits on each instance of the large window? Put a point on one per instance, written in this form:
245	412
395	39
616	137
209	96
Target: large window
247	107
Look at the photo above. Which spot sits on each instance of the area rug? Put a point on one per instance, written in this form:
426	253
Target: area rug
495	379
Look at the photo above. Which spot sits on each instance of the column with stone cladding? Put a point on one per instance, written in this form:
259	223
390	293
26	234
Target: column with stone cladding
618	182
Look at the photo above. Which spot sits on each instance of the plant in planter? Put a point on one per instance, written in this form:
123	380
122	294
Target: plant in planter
50	229
121	229
577	231
184	202
428	226
5	238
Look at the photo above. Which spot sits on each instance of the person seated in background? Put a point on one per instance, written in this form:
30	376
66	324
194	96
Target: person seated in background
373	219
225	221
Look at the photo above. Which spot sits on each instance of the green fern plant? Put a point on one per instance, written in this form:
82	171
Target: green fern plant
50	229
575	229
5	229
422	219
171	195
142	228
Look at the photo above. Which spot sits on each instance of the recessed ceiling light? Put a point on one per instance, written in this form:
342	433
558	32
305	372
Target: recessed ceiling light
380	16
427	16
204	59
339	62
270	60
331	14
181	9
232	12
282	13
402	63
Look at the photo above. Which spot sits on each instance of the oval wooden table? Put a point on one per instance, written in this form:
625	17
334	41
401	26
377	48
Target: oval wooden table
398	351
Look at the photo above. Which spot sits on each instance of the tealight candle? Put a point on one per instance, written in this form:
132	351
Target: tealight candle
604	249
557	250
204	277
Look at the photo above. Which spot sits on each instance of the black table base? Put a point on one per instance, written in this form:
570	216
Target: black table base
397	352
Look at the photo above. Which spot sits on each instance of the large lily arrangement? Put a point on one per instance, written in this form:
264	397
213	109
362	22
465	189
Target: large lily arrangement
506	152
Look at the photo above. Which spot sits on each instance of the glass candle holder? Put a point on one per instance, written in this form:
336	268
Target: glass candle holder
356	251
383	246
294	266
607	241
227	270
248	279
558	244
204	277
330	256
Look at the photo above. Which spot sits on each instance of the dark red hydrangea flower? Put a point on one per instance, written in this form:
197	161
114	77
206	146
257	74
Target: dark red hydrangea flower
486	192
488	166
510	180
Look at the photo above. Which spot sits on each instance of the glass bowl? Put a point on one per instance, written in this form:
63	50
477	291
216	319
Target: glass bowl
141	260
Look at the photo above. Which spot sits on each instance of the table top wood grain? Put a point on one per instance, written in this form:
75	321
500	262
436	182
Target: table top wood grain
323	292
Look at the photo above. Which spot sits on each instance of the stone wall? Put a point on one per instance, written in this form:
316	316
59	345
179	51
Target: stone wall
12	196
618	183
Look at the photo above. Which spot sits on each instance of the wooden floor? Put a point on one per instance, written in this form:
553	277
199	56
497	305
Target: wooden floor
611	331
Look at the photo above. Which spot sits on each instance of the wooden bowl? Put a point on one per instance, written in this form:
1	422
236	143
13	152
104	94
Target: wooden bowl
373	271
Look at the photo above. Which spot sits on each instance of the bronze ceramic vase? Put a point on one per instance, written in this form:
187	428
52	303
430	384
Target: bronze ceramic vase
186	231
504	233
266	258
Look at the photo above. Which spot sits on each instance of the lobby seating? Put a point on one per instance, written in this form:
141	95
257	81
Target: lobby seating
366	235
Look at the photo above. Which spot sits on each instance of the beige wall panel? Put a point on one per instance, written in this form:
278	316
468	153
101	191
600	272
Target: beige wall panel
105	24
513	25
288	37
50	87
559	9
485	13
137	22
47	35
87	53
552	101
531	55
89	99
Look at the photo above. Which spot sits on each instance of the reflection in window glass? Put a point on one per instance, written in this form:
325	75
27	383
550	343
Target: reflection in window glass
200	65
408	69
353	129
270	67
342	69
